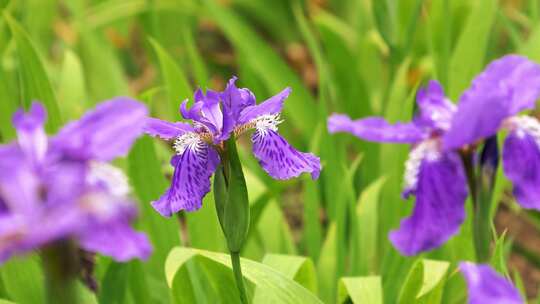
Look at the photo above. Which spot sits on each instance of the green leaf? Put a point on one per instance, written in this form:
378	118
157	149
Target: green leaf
23	280
176	83
72	87
8	106
367	213
113	285
275	284
35	82
424	280
469	55
360	290
298	268
326	265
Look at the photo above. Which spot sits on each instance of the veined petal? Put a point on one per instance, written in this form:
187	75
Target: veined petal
376	129
485	285
436	111
30	134
104	133
279	159
507	86
439	211
272	105
521	164
166	130
195	164
117	240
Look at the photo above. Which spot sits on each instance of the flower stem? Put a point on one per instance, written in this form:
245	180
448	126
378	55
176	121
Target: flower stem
481	199
61	267
237	269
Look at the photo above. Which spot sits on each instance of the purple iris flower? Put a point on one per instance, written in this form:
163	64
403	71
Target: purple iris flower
215	117
434	172
485	285
62	187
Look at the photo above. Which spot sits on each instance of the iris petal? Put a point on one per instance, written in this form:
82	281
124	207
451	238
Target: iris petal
487	286
104	133
191	180
440	192
272	105
166	130
30	133
507	86
116	239
376	129
521	163
279	159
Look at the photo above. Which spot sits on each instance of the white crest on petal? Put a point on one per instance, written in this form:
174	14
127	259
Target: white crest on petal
524	125
189	140
426	150
106	175
264	123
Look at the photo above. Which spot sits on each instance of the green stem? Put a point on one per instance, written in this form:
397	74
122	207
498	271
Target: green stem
481	199
237	269
61	268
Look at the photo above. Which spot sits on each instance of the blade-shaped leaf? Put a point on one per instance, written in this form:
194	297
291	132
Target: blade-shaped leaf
275	284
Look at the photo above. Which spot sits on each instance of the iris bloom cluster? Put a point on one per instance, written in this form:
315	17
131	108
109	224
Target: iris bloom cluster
434	172
215	117
63	188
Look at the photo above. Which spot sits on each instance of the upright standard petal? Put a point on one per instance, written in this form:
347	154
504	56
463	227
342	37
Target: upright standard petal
485	285
234	100
279	159
272	105
194	165
104	133
30	133
506	87
438	182
376	129
435	110
166	130
521	164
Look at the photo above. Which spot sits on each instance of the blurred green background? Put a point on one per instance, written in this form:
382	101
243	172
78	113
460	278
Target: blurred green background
360	57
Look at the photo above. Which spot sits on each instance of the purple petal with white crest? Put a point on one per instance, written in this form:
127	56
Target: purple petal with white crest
279	159
272	105
507	86
166	130
190	181
104	133
485	285
435	110
30	133
521	164
440	189
376	129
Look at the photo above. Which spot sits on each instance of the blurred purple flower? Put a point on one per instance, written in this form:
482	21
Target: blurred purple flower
507	87
434	172
63	188
485	285
215	117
